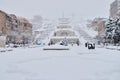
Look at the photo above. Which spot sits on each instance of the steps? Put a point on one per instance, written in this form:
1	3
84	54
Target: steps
85	35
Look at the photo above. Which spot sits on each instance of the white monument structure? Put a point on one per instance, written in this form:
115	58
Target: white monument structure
64	33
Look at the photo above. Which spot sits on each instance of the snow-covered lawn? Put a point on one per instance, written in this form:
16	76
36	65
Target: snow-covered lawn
78	63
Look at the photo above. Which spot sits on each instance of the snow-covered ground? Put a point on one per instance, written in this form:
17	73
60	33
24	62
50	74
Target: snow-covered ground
78	63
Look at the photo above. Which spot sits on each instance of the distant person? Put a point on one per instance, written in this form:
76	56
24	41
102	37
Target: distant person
48	44
86	44
93	45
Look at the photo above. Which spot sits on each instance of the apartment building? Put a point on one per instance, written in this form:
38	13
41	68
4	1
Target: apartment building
14	28
3	19
115	8
25	28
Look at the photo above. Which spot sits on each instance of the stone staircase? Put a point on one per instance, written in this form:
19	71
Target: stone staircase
85	35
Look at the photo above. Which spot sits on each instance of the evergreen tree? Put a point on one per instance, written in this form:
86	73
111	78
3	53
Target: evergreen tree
112	30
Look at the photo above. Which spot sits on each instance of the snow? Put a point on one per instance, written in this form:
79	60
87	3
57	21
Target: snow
2	37
78	63
112	47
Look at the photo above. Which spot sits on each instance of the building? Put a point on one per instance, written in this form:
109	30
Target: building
98	24
101	30
13	29
25	30
115	8
16	30
3	18
5	26
94	23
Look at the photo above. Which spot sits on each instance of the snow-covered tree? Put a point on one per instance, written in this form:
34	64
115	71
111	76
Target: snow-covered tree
112	30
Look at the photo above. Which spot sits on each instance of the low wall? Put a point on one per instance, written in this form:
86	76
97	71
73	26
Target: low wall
69	40
2	41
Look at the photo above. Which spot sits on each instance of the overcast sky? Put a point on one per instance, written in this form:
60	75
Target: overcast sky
87	9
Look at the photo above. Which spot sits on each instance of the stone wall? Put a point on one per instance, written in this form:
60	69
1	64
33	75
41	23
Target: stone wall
64	33
69	40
